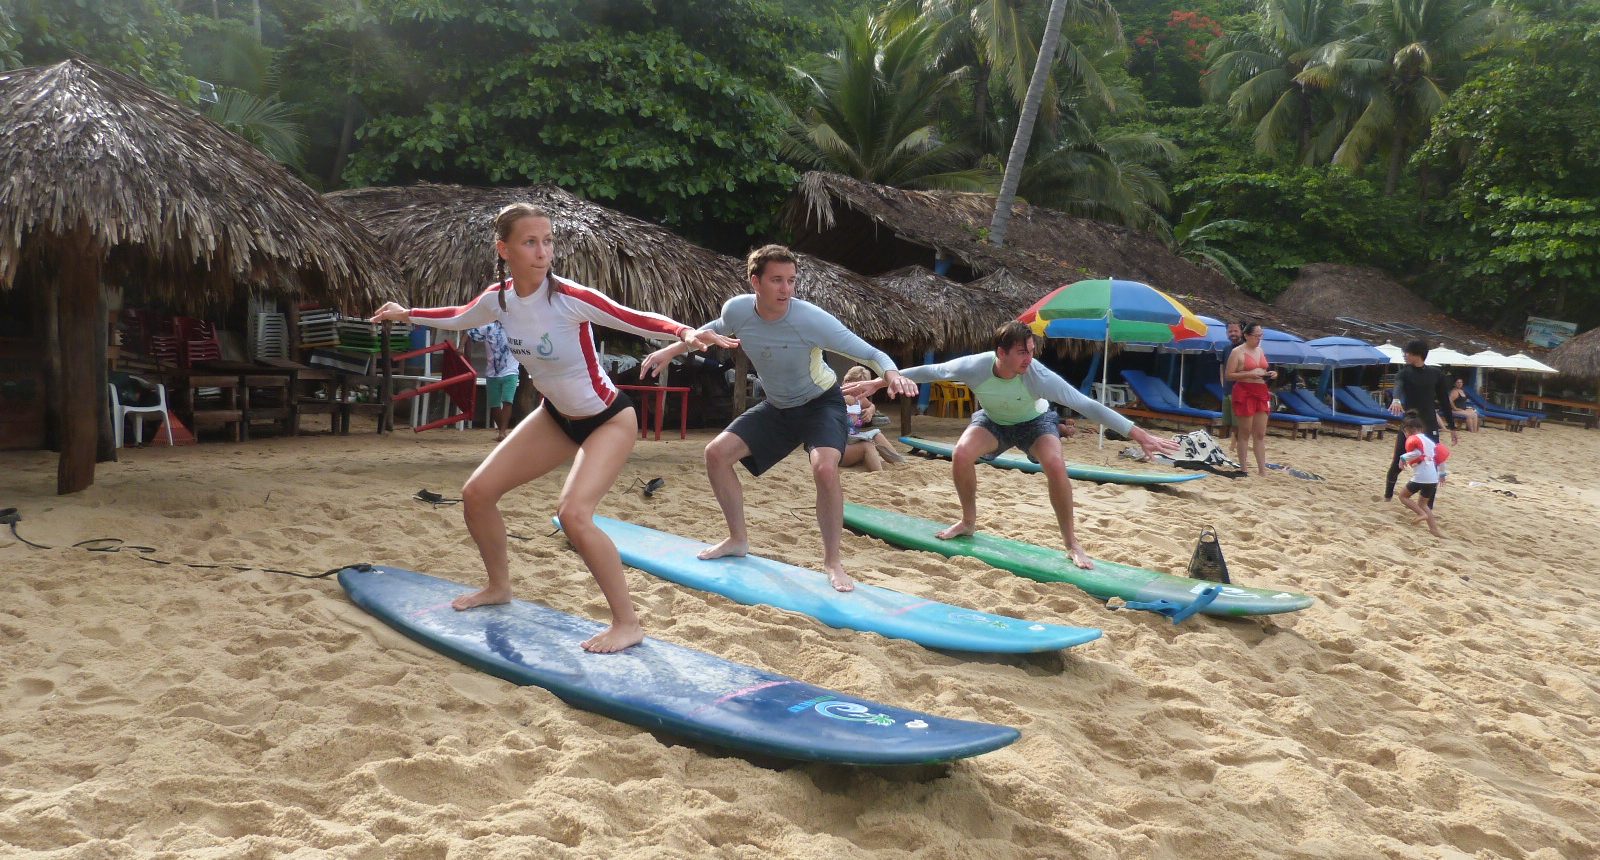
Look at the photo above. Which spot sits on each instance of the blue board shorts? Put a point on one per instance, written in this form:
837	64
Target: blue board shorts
500	390
771	433
1020	436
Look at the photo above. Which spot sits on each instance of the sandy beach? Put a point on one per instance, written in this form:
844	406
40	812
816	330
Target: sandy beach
1441	699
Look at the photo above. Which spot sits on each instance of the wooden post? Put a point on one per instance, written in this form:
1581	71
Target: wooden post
79	317
55	401
741	370
105	448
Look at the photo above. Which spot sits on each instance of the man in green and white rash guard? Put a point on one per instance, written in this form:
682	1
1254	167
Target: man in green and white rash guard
1015	394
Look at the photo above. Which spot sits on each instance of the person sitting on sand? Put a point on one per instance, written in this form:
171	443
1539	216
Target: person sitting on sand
1014	394
867	446
785	338
1462	408
584	420
1422	457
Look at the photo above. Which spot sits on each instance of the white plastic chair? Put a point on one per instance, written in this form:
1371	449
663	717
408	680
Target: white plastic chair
120	412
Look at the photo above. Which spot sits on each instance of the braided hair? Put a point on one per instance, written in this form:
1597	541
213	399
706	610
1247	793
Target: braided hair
504	220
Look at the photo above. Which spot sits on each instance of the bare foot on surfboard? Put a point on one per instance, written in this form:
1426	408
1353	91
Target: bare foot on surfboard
482	597
728	547
615	638
840	580
1079	557
960	528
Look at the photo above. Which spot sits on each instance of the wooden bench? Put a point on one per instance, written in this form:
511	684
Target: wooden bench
1581	410
1296	429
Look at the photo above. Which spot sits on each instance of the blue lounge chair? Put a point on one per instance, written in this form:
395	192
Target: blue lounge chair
1158	401
1489	410
1297	425
1303	403
1354	400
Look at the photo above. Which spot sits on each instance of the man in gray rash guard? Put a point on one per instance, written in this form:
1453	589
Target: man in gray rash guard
785	338
1015	394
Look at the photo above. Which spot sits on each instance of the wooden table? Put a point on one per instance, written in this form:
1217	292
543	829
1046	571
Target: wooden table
654	397
1590	418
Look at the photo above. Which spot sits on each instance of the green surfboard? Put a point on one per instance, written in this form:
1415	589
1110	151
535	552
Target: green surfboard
1108	579
1075	471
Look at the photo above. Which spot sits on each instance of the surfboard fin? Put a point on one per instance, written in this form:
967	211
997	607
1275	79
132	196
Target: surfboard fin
1178	612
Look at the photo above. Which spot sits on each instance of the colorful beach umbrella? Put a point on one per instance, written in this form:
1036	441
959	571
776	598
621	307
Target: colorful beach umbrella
1109	310
1112	310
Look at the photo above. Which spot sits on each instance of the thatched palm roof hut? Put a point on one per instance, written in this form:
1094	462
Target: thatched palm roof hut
105	177
442	238
952	316
1579	357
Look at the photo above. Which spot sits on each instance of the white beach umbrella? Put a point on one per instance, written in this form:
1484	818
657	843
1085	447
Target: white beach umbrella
1395	353
1489	359
1444	356
1523	363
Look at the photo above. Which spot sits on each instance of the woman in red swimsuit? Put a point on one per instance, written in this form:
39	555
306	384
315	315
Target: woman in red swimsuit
1252	399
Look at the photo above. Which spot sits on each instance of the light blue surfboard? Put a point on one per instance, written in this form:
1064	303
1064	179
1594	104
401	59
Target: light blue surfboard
755	580
1075	471
661	686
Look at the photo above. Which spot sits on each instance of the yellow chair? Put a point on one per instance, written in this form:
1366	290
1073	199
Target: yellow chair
950	397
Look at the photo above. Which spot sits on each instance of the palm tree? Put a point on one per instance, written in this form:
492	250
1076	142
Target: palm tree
1276	76
868	110
996	43
1195	238
1112	178
1399	63
1030	111
267	123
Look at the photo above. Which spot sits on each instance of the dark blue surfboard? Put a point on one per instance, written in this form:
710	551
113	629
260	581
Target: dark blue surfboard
661	686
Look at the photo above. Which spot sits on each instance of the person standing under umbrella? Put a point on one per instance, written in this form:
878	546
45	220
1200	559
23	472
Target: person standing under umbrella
1249	371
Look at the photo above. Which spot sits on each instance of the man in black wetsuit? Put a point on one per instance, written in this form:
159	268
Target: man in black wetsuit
1426	391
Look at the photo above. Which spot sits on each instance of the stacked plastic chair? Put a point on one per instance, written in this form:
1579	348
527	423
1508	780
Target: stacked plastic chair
319	327
359	335
197	341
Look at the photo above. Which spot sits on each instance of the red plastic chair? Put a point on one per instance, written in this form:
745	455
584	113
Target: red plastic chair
457	379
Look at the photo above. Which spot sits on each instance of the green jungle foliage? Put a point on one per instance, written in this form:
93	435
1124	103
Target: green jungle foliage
1254	136
143	38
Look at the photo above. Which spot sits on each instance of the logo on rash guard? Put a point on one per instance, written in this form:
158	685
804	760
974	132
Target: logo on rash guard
546	350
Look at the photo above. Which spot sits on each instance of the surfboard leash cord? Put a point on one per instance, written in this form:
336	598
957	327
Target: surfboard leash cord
10	517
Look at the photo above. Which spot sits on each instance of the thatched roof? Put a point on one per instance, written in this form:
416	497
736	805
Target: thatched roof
1014	293
187	208
1579	357
873	228
442	238
952	316
1377	308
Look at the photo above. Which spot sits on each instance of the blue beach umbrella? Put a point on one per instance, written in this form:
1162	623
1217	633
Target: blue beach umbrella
1346	352
1340	352
1282	347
